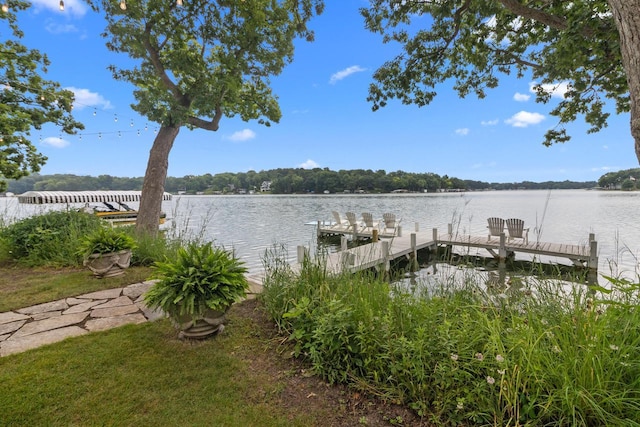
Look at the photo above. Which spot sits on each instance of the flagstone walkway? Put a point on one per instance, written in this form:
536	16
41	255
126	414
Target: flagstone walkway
47	323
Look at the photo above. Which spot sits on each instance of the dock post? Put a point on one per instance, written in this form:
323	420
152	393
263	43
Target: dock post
385	255
302	254
450	229
502	250
318	233
414	252
399	231
417	225
343	243
593	252
374	236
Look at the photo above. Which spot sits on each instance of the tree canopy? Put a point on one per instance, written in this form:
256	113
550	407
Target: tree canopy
198	62
27	100
589	45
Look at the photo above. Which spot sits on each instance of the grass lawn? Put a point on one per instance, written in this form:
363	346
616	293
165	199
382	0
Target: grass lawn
142	375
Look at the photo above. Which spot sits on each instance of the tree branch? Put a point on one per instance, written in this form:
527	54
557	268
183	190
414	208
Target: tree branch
159	67
547	19
212	124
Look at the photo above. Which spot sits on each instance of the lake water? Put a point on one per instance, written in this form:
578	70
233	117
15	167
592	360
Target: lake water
251	224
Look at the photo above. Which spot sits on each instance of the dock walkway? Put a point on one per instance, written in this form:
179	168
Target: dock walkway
378	254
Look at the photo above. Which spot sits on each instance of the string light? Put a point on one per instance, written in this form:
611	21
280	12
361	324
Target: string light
179	3
61	4
5	8
123	5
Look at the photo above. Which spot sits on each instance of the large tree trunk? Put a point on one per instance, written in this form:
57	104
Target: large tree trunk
154	179
626	14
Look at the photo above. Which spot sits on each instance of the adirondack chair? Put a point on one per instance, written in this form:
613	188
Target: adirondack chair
340	224
496	227
389	220
353	222
369	223
516	230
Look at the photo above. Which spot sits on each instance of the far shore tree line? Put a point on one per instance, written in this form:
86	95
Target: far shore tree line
316	181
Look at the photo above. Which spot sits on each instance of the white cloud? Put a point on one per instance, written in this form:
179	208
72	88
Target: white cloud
345	73
55	142
71	7
489	122
56	28
524	119
521	97
309	164
242	135
557	90
85	98
605	147
462	131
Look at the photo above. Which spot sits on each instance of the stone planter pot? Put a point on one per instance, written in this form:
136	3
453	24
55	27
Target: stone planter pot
109	265
210	324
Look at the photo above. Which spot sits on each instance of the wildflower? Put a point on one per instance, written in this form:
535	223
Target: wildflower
479	356
454	357
501	371
460	405
544	322
614	347
491	380
499	358
556	349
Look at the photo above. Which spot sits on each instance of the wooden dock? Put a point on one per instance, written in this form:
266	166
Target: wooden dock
378	254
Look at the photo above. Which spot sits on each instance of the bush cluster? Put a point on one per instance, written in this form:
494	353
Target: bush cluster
541	353
63	238
52	238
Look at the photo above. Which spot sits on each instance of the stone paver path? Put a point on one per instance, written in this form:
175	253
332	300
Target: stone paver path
41	324
47	323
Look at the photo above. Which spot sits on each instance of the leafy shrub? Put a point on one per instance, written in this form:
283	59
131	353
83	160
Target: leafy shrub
52	238
543	353
106	240
201	277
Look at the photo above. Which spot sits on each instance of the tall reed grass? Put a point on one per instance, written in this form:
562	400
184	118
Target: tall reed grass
536	353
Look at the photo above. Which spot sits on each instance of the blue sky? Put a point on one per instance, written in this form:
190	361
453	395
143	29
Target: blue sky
326	121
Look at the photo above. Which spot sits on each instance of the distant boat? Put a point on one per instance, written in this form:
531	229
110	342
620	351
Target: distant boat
121	214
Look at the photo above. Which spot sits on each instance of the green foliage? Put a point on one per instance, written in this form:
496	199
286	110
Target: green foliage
473	42
613	179
105	240
153	248
27	102
288	181
628	185
542	354
200	277
52	238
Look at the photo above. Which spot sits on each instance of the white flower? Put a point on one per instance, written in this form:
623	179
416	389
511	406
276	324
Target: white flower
499	358
501	371
479	356
454	357
614	347
556	349
491	380
460	406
